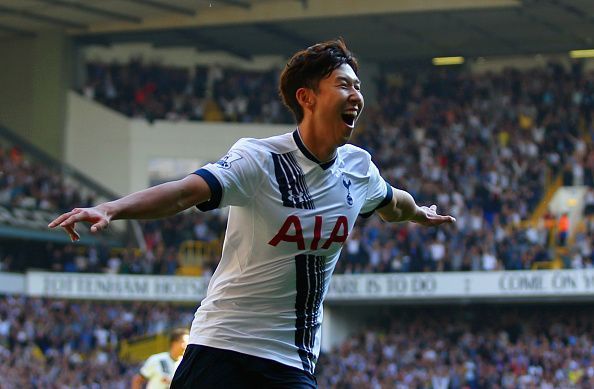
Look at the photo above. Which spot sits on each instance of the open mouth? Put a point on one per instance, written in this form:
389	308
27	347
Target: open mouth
349	118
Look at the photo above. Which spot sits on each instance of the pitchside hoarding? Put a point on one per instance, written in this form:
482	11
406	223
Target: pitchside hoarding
465	286
462	285
115	287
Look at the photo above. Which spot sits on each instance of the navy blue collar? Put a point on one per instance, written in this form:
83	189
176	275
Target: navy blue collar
308	154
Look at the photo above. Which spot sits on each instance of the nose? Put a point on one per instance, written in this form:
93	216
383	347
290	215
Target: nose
356	97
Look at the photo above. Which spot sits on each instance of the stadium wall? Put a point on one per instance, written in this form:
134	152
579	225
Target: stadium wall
116	151
35	74
98	142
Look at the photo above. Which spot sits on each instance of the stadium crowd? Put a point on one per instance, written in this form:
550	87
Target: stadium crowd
51	343
541	347
27	183
55	343
486	148
483	147
161	256
154	91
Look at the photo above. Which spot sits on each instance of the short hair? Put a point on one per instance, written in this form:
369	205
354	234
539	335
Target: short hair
177	334
307	67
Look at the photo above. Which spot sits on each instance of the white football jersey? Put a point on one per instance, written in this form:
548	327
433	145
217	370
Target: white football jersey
289	217
158	369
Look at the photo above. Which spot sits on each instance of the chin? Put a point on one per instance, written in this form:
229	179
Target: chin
347	136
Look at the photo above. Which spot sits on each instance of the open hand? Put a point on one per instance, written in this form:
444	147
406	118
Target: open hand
96	216
427	216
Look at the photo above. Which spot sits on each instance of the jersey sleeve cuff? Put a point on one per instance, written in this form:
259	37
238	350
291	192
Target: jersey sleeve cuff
216	190
385	201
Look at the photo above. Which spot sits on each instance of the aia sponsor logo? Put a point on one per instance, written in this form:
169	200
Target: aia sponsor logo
292	232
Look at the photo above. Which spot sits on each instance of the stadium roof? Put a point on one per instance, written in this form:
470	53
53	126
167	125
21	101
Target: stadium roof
382	31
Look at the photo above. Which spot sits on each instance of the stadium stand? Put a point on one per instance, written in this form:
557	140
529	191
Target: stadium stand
62	343
75	343
514	347
492	148
488	148
153	91
480	142
34	188
476	347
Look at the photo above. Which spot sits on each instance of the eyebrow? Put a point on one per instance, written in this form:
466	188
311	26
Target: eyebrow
349	80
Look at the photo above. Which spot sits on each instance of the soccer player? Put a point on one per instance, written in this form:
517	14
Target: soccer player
293	200
157	371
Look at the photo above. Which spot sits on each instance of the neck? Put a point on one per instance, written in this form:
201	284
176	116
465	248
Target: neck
317	142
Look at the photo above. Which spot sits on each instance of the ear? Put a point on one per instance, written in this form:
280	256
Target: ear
305	98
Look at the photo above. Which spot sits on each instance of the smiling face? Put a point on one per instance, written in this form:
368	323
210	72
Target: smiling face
337	103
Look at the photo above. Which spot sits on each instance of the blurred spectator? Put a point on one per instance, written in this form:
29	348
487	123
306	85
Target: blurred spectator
589	202
562	229
158	369
549	227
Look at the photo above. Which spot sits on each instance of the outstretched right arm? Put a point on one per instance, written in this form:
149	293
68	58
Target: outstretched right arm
159	201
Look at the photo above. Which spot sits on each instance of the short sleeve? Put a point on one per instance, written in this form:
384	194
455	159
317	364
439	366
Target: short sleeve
149	369
233	179
379	192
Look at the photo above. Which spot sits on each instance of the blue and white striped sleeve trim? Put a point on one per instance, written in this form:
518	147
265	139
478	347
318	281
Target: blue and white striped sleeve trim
216	190
384	202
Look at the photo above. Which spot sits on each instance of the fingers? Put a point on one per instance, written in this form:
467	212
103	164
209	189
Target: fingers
74	236
60	219
440	218
447	219
79	216
68	221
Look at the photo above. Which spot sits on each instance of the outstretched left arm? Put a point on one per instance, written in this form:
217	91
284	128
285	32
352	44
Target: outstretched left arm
404	208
